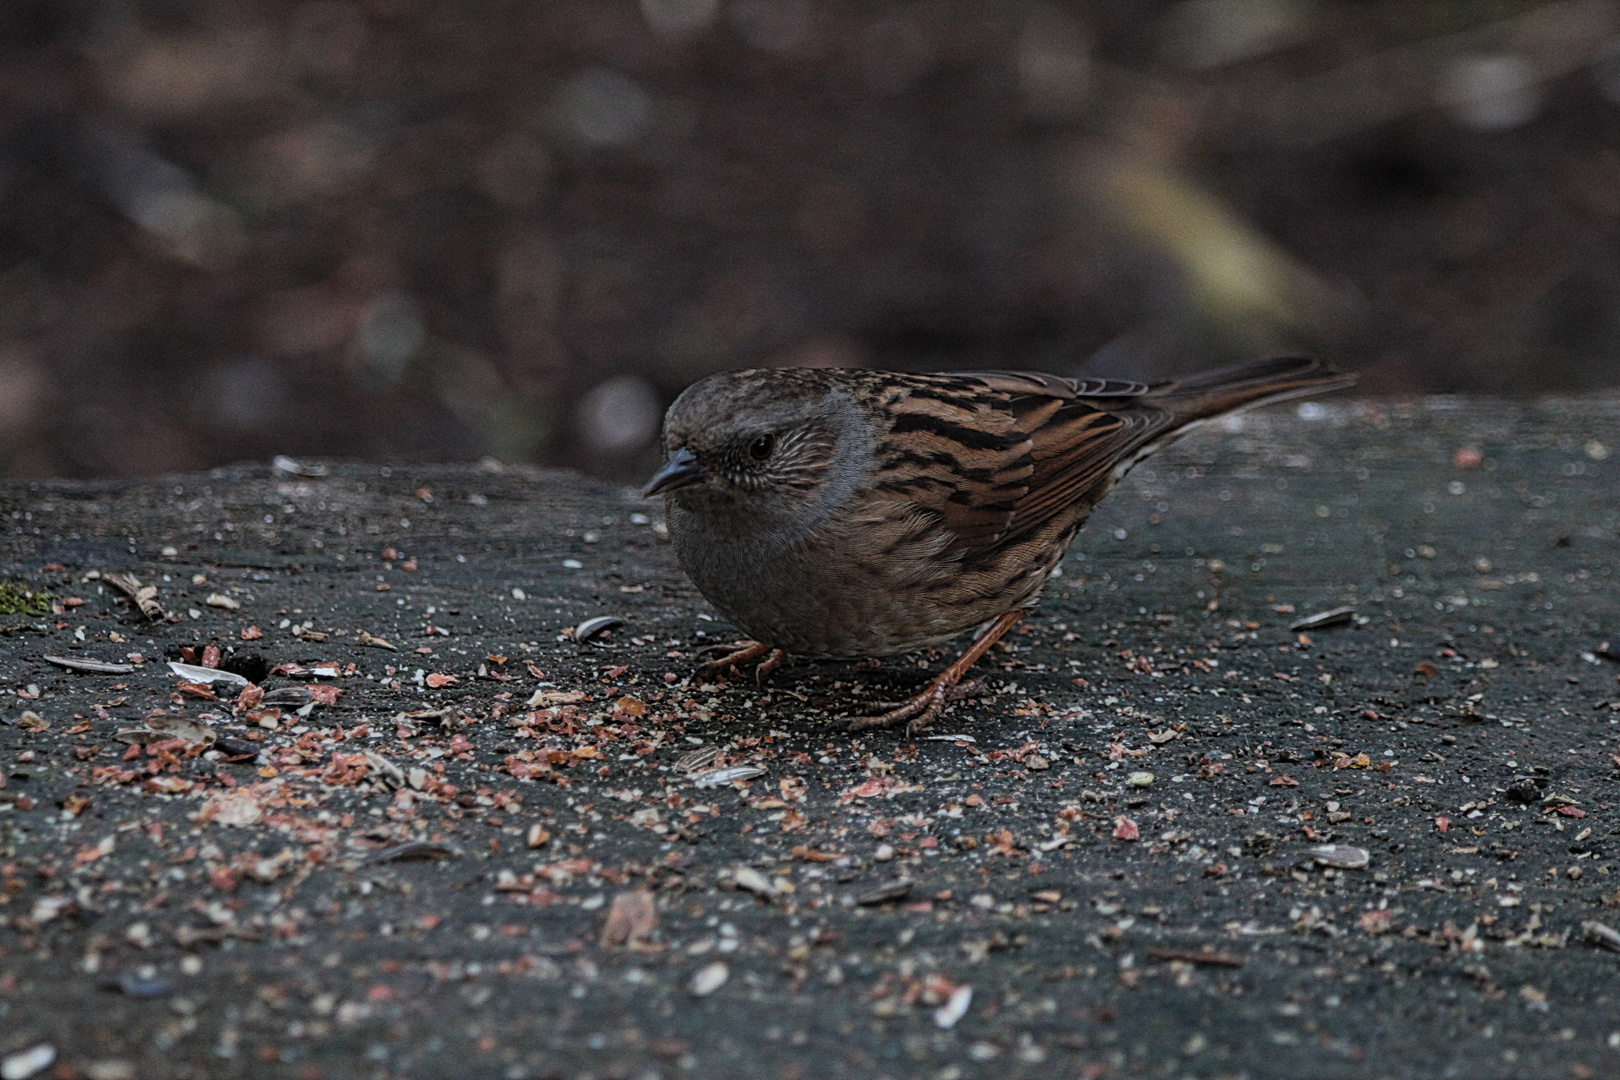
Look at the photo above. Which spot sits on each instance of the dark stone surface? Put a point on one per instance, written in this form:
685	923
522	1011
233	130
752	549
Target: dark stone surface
137	930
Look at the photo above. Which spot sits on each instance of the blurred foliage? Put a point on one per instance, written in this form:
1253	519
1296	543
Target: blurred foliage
425	228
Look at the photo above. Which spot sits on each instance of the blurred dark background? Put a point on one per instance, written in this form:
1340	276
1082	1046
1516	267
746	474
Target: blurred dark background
451	228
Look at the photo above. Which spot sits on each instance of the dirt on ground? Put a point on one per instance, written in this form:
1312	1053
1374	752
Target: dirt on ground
416	810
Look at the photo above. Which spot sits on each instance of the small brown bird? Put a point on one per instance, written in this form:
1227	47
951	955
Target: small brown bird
851	513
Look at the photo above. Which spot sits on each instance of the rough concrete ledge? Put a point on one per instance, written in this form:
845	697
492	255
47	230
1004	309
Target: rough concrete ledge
1128	856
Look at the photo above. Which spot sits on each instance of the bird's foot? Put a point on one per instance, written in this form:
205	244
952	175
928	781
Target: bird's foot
949	685
970	689
743	652
919	713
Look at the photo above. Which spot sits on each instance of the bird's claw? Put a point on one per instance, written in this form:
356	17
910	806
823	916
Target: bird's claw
743	652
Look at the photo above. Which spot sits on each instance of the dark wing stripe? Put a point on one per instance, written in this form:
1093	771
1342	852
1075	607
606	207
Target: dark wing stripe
972	438
911	485
949	395
924	460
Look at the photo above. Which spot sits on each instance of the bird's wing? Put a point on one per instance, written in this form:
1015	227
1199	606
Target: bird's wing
992	455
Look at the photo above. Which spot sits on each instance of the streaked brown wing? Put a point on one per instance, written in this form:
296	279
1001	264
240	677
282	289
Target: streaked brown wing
996	454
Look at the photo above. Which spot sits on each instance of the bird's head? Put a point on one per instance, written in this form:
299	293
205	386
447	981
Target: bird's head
769	441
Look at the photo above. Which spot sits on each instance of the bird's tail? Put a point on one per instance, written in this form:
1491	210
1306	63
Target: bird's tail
1197	399
1228	390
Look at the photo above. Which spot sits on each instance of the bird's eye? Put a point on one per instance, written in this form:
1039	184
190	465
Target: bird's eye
761	448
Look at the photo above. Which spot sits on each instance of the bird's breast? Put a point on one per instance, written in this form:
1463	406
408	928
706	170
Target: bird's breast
867	584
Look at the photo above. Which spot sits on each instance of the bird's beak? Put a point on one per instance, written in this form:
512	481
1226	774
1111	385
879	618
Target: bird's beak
682	469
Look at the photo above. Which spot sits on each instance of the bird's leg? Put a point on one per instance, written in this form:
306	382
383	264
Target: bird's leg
744	652
925	708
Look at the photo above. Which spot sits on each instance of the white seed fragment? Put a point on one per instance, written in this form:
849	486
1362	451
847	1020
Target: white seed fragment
753	881
25	1063
1342	856
196	673
593	628
1601	934
728	775
709	979
946	1016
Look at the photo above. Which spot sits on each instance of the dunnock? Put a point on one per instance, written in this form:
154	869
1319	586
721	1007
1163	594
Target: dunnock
852	513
